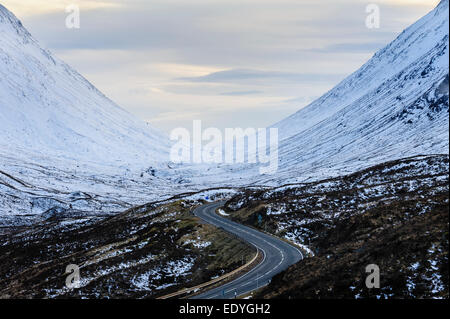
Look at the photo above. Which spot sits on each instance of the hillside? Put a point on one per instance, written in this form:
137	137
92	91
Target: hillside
395	106
64	146
47	108
394	215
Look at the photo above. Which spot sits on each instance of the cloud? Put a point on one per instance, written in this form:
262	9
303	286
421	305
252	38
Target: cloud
240	93
240	75
349	47
26	8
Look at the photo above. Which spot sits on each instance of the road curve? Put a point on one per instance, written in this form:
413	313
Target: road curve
277	255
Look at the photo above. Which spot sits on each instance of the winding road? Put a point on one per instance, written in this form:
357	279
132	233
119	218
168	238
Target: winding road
277	255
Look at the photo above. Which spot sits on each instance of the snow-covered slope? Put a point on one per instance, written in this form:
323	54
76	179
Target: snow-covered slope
394	106
65	148
48	108
418	44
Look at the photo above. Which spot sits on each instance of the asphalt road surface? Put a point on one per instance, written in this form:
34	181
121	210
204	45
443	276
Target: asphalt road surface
277	255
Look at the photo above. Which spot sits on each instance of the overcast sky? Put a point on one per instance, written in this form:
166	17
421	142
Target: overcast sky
230	63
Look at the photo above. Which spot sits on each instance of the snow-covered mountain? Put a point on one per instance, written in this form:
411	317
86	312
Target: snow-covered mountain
48	108
65	148
396	105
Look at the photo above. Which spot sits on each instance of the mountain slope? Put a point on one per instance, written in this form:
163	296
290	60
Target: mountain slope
48	108
65	148
394	106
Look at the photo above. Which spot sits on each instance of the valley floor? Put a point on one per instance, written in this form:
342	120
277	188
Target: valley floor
394	215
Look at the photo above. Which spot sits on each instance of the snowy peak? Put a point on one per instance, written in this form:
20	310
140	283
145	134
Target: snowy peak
395	106
48	108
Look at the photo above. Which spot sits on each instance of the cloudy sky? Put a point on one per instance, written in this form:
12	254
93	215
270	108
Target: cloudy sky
230	63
